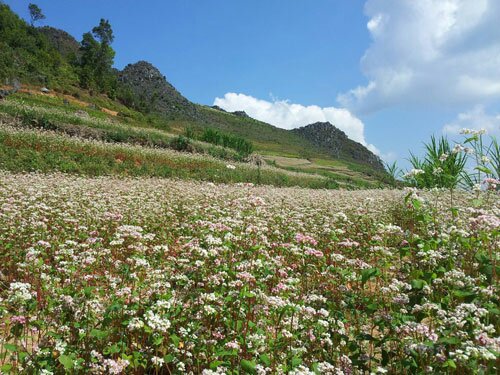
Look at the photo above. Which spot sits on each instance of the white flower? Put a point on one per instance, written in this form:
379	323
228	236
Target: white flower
437	171
230	166
485	159
157	361
414	172
20	292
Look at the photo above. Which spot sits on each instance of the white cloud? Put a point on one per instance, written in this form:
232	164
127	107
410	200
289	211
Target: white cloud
476	119
431	52
287	115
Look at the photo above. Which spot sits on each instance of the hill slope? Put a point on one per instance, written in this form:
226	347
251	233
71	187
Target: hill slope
148	90
142	97
337	144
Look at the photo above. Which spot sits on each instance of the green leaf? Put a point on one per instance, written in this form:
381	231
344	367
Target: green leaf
6	368
418	284
169	358
449	340
215	364
483	169
367	274
66	361
97	333
296	361
10	347
450	363
175	339
470	139
416	204
158	340
248	366
463	293
226	353
265	359
477	202
22	356
494	311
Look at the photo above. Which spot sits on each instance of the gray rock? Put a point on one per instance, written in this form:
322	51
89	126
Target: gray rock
336	143
152	93
240	114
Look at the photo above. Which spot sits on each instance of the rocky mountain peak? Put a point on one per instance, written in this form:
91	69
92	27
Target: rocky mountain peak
151	90
336	143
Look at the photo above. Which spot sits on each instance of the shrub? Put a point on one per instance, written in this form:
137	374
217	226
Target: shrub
442	165
241	145
181	143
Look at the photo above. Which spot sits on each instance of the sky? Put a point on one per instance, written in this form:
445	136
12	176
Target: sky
389	73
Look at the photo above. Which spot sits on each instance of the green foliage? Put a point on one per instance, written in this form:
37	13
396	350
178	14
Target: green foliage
44	152
241	145
35	13
96	66
181	143
441	166
393	170
486	159
27	55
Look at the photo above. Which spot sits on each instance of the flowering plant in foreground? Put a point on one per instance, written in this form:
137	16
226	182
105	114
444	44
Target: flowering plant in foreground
107	275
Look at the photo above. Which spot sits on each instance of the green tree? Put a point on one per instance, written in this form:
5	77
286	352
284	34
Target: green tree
96	68
35	13
103	32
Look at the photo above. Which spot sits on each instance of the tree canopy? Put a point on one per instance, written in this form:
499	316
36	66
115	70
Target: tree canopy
35	13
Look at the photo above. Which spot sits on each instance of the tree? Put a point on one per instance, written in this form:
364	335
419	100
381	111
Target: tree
103	32
97	59
35	13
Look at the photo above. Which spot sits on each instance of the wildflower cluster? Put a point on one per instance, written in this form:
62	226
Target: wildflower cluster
107	275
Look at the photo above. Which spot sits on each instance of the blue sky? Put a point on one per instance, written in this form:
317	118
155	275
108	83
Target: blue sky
388	72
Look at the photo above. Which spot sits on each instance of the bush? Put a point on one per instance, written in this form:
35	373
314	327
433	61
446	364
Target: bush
181	143
442	166
241	145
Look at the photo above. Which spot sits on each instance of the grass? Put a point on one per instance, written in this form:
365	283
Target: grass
91	124
74	117
33	150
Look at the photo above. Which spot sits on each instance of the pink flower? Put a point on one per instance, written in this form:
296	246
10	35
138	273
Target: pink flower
21	319
302	238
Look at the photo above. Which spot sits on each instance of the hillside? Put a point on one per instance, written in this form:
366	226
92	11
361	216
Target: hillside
336	143
149	91
140	96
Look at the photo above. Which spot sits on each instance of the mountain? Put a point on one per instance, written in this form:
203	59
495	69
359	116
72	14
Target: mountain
27	55
148	90
337	144
139	96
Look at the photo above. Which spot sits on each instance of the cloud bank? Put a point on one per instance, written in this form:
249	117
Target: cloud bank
288	115
476	119
429	52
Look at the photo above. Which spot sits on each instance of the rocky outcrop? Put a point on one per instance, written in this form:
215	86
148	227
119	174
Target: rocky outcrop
151	92
218	108
240	114
336	143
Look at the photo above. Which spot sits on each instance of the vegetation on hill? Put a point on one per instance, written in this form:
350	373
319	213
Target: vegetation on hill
28	56
142	97
216	137
336	143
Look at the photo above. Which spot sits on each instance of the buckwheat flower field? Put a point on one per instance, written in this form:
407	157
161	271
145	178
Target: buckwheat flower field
109	276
